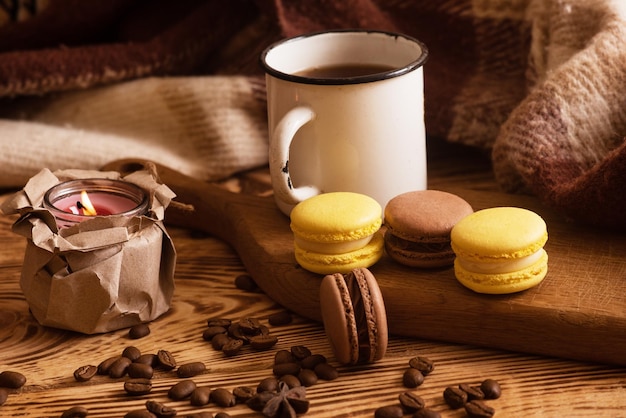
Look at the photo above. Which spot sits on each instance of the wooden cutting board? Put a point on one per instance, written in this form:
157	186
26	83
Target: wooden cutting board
577	312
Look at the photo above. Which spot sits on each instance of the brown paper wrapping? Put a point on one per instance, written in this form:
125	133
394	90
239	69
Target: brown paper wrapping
99	275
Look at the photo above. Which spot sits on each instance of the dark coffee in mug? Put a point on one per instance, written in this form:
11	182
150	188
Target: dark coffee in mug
344	70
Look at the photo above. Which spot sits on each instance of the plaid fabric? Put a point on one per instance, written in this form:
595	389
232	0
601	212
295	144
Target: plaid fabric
538	83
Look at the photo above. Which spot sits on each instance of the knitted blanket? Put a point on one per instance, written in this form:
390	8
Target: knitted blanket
536	83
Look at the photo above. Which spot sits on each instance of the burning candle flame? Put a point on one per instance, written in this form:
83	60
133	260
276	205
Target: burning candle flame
86	205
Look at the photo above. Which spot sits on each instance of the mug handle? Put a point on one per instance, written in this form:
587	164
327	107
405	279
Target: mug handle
280	142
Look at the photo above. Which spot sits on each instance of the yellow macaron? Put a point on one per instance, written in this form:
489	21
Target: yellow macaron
500	250
337	232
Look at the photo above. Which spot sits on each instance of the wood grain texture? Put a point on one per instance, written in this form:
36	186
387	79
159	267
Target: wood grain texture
533	386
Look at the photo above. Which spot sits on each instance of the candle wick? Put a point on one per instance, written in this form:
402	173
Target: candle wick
79	205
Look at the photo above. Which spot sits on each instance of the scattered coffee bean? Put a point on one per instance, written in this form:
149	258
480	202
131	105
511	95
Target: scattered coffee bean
291	380
4	395
149	359
138	331
412	378
84	373
411	402
479	409
181	390
263	342
190	369
140	370
12	380
307	377
138	387
454	397
473	392
250	326
219	322
246	282
326	371
282	369
284	356
300	352
258	401
160	410
75	412
426	413
119	367
269	384
131	352
389	411
280	318
423	364
491	389
232	347
211	332
219	341
311	361
140	413
243	393
105	365
166	360
223	397
200	396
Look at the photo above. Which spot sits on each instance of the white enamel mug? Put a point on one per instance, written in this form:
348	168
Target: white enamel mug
356	133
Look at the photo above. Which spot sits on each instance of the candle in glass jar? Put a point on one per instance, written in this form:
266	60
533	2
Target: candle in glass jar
70	201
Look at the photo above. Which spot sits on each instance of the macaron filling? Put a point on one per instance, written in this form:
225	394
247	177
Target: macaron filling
332	247
502	266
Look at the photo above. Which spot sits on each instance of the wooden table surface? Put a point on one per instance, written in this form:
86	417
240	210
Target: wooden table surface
206	268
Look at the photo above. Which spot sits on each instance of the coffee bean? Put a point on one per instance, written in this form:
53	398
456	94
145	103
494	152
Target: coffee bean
423	364
258	401
140	413
223	397
140	370
219	341
491	389
411	402
181	390
131	352
300	352
211	332
190	369
220	415
200	396
160	410
412	378
389	411
326	371
307	377
12	380
473	392
263	342
232	347
119	367
243	393
235	332
291	380
250	326
166	360
75	412
105	365
280	318
284	356
454	397
269	384
84	373
219	322
282	369
311	361
149	359
4	395
479	409
138	387
138	331
426	413
246	282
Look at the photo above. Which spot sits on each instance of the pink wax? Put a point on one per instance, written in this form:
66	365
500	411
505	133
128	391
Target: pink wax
104	203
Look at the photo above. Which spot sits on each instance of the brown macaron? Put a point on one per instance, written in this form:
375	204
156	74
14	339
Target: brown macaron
354	316
418	227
